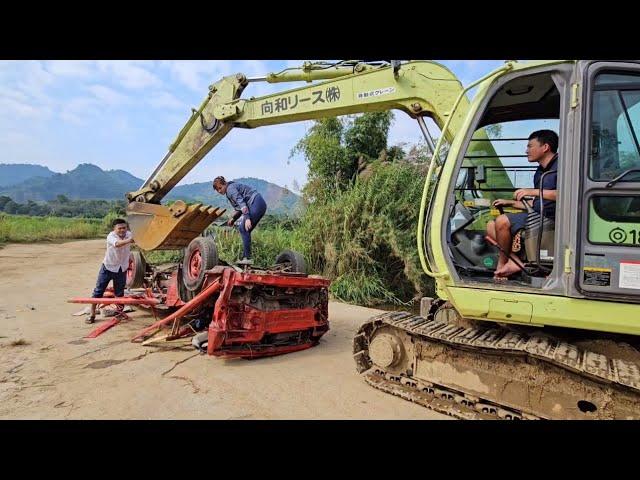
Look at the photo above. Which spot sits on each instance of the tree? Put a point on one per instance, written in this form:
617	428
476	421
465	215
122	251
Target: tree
338	149
3	201
62	199
366	139
11	207
325	155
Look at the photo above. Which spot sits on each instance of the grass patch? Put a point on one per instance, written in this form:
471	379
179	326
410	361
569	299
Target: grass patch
24	229
19	343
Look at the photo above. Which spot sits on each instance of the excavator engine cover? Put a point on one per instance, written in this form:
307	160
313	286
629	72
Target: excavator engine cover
158	227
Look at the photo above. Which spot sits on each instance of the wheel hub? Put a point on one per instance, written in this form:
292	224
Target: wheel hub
195	264
385	350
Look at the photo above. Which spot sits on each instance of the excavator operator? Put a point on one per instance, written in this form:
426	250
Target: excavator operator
541	148
249	207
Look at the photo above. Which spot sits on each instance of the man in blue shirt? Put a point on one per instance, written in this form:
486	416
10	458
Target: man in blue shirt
249	207
542	148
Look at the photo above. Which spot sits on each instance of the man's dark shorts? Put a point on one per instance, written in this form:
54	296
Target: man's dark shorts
517	220
104	277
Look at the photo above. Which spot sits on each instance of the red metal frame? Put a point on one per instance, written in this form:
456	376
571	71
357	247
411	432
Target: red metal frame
236	329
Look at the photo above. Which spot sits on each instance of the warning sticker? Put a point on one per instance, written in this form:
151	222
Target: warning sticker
600	277
629	275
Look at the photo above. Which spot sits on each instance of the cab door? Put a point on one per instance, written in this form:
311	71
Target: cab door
608	234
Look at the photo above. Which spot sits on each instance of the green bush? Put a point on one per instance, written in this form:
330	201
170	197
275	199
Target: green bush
364	237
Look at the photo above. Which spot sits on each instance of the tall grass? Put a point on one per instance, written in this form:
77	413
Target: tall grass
364	238
22	228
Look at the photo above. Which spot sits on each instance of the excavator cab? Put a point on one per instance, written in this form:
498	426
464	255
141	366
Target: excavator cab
494	165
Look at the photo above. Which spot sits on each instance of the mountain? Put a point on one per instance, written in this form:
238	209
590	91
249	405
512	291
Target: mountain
88	181
14	173
278	199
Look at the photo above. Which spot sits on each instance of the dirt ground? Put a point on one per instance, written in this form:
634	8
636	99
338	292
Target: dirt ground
48	371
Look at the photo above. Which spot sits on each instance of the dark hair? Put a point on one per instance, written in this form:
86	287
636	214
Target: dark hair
219	180
546	136
118	221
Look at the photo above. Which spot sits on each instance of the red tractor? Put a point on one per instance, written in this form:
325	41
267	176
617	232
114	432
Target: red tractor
235	310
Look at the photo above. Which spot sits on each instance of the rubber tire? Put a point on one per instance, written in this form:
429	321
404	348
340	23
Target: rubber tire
295	259
209	253
139	270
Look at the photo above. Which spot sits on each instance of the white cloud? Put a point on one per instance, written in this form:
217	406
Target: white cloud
78	109
12	106
7	92
130	74
107	95
198	74
165	100
71	68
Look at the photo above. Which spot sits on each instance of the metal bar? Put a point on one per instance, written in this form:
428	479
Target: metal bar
427	136
186	308
103	328
497	139
495	156
116	301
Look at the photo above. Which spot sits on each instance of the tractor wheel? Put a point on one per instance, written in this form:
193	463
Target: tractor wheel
294	260
137	269
200	255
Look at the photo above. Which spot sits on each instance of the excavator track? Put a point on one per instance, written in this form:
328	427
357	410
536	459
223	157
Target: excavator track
491	372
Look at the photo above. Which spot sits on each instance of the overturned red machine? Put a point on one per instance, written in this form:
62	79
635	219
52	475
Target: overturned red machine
231	311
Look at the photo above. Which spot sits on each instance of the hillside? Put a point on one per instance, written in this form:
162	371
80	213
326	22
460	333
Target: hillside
14	173
88	181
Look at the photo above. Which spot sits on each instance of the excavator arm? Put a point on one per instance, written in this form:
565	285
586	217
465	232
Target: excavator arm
419	88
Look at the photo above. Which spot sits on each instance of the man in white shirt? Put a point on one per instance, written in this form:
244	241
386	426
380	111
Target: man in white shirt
115	264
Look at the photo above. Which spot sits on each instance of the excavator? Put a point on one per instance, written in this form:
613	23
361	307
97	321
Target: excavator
558	340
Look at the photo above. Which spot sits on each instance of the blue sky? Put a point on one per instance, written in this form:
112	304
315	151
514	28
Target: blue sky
124	114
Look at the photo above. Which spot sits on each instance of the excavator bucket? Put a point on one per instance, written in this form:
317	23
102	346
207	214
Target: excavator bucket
158	227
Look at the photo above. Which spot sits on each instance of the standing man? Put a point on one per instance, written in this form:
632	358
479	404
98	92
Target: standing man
115	264
542	149
249	207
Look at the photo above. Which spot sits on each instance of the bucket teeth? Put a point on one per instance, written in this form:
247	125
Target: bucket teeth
154	227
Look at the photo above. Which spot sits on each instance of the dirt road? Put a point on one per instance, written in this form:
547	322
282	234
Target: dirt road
48	371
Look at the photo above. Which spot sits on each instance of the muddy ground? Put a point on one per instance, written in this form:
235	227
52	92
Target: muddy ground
48	371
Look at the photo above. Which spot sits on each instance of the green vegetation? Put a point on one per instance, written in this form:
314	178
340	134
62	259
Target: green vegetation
62	207
19	228
364	238
267	242
359	226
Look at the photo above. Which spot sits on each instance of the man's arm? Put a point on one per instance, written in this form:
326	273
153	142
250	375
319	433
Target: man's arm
122	243
509	203
237	197
534	192
114	240
235	216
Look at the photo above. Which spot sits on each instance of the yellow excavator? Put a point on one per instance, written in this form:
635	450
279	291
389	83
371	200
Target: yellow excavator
558	339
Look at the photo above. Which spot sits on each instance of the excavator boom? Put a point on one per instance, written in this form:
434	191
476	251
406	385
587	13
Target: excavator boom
418	88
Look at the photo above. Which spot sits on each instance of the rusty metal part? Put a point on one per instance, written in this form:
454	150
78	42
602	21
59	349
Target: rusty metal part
475	371
158	227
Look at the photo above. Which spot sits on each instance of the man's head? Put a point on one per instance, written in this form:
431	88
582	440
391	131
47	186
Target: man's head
220	185
543	144
119	226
